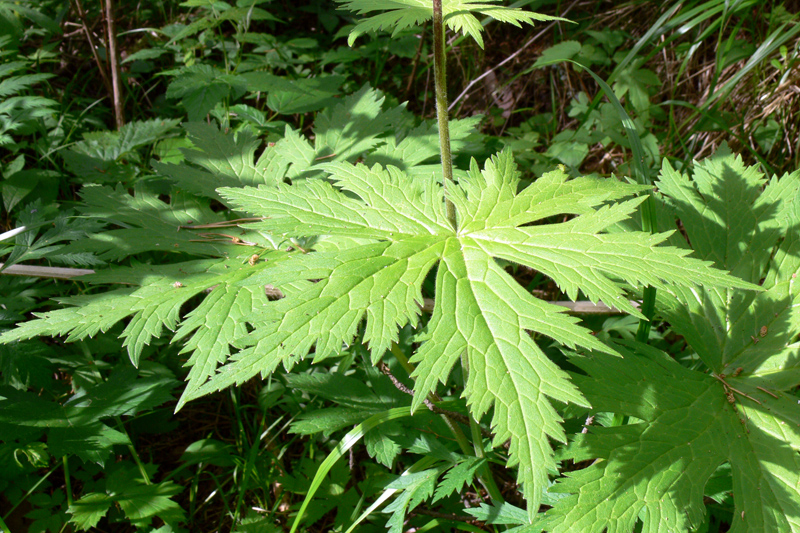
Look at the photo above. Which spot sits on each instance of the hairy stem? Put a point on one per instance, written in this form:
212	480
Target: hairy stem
440	84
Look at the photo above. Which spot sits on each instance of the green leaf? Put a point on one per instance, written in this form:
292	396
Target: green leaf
288	97
381	447
326	421
734	408
226	160
348	130
87	511
657	468
353	127
399	15
201	87
113	145
61	228
460	474
216	322
77	427
342	390
157	303
142	503
557	53
101	157
480	309
421	144
416	487
503	514
148	224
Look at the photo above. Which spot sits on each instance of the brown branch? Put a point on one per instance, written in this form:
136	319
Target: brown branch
100	66
453	415
113	58
576	308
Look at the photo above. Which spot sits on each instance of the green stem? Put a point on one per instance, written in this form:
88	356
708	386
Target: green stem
67	480
440	84
648	309
132	449
484	474
31	490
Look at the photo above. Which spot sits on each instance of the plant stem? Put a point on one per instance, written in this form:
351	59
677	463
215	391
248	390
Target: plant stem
484	474
440	84
67	479
132	449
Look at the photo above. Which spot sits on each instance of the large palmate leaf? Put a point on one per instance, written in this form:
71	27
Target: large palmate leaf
154	299
458	15
690	424
101	157
735	410
157	297
351	129
480	310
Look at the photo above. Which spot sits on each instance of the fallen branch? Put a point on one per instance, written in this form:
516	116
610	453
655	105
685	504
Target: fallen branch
577	308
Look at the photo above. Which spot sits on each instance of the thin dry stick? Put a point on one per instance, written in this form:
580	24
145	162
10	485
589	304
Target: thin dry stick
384	368
100	67
113	58
578	308
416	60
506	60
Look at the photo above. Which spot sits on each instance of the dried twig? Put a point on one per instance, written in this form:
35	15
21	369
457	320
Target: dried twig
576	308
113	59
453	415
100	66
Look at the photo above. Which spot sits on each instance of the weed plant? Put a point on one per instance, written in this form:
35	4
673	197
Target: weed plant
289	303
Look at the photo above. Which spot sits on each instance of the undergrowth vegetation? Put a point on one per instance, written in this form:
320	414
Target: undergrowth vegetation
404	265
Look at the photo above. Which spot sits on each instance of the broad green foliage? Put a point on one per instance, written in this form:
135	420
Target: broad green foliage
139	501
383	306
391	231
458	15
480	310
46	232
19	111
101	157
186	225
734	409
79	428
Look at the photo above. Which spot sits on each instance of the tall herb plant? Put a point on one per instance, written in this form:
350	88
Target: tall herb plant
347	230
